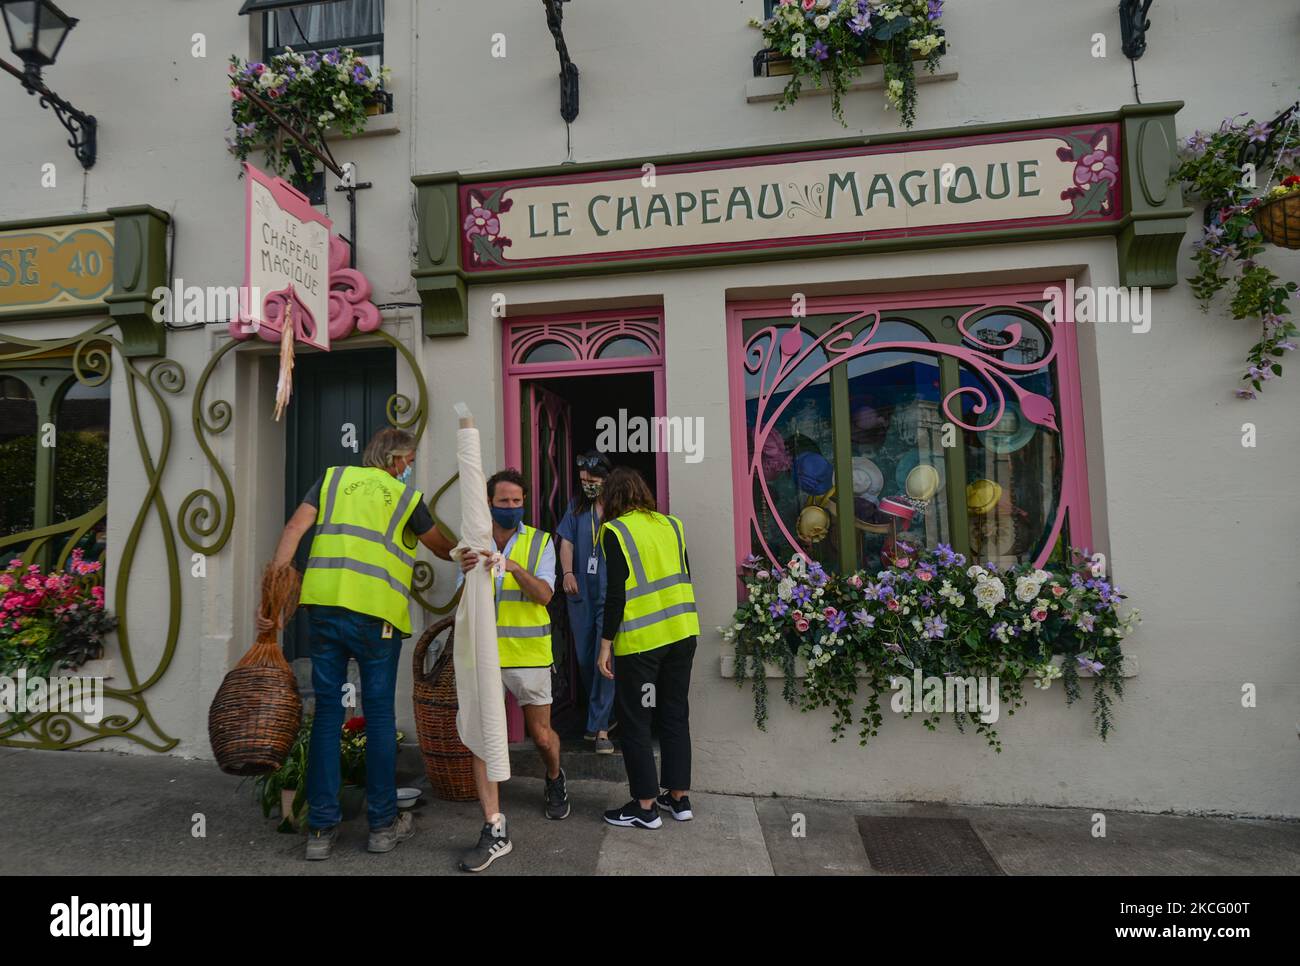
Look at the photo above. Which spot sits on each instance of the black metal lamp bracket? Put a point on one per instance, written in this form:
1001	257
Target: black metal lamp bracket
1133	27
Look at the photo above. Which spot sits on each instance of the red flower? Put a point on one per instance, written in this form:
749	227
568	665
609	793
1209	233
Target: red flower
354	724
1291	179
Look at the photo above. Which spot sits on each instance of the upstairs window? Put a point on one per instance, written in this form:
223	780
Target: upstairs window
305	27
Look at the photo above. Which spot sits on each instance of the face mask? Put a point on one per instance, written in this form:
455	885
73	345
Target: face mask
405	476
507	517
592	489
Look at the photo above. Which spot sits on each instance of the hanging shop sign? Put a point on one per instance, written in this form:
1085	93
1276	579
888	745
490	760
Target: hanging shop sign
286	261
63	267
948	186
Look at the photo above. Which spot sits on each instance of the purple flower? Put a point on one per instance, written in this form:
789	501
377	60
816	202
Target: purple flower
1288	345
1086	623
926	600
945	555
1246	394
818	575
935	10
801	594
359	74
862	617
751	562
934	627
996	629
1257	133
906	548
861	23
246	130
1087	664
481	221
332	56
778	608
820	50
836	621
313	60
1198	142
895	647
1271	320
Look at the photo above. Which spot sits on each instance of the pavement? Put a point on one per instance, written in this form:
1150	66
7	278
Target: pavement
107	813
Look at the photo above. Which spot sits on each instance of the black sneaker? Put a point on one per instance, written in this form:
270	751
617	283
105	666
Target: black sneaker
632	815
678	808
557	798
493	842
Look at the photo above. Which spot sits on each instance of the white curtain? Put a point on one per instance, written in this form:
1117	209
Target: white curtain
324	23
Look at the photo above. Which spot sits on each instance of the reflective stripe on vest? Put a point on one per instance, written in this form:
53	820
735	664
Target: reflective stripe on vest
523	625
357	558
660	606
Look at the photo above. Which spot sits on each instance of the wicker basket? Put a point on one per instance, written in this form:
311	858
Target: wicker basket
447	762
1279	220
256	714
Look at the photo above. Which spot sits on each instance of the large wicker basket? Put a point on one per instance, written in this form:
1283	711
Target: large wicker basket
447	762
1279	221
255	716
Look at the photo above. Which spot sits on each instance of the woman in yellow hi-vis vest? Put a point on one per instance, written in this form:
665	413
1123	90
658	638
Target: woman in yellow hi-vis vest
524	642
357	591
650	625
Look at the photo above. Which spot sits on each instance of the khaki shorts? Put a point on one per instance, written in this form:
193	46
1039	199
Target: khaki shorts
529	685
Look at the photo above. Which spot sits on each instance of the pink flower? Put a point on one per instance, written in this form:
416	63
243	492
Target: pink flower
797	614
762	575
1094	167
801	624
809	4
829	612
236	94
924	576
903	562
1058	590
32	582
6	581
855	581
892	603
1039	614
480	221
52	582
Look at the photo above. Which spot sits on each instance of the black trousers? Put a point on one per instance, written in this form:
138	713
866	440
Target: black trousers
668	670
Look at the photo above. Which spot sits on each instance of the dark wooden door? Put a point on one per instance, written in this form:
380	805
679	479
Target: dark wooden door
339	401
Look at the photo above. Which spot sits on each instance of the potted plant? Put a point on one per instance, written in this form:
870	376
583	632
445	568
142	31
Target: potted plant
286	787
52	620
1237	226
929	614
352	793
827	43
311	93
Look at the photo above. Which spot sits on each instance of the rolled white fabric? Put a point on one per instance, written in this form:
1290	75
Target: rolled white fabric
481	719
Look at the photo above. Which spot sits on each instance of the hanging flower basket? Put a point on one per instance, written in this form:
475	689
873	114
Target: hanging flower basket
1277	216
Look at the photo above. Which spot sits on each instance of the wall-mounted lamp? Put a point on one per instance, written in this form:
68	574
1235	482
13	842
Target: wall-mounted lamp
37	30
568	69
1133	27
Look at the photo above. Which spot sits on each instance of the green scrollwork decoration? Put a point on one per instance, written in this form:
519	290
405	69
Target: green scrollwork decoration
198	521
423	575
55	730
398	404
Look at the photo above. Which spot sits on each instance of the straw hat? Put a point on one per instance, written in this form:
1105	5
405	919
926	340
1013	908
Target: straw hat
982	496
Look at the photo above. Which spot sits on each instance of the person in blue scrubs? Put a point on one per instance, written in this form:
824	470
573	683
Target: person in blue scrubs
583	567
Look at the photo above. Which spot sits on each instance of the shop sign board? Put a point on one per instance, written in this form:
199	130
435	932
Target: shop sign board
60	267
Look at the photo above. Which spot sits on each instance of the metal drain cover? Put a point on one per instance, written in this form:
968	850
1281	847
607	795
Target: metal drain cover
924	846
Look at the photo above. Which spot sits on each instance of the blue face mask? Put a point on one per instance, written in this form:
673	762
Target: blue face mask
507	517
404	477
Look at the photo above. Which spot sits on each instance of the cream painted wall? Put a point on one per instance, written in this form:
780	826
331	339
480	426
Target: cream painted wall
1202	533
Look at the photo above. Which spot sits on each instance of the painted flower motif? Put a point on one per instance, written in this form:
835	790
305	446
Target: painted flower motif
480	221
1094	167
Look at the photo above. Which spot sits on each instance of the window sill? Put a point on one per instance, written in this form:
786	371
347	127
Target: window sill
728	667
760	89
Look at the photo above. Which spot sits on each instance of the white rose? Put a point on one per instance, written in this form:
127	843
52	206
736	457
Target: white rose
990	593
821	22
1026	588
977	572
785	588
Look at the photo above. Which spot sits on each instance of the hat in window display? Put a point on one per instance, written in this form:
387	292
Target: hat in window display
912	461
813	473
868	426
1010	433
813	524
775	458
982	496
868	480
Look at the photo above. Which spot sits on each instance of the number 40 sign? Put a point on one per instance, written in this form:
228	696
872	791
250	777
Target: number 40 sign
55	266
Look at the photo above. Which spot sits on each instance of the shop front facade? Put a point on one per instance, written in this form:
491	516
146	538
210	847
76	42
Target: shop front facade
758	310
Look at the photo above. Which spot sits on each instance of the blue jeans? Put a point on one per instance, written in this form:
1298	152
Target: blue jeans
337	634
585	616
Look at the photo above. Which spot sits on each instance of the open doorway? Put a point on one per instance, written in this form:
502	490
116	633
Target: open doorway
567	381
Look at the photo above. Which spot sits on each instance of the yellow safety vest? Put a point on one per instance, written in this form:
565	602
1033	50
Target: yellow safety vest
660	606
523	625
360	558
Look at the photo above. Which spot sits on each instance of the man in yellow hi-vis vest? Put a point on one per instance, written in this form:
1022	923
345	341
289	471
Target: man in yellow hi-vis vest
356	589
650	630
524	642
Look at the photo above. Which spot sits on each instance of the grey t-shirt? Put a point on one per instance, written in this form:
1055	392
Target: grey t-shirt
421	521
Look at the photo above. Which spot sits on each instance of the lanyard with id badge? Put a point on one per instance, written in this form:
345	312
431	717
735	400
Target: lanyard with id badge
593	563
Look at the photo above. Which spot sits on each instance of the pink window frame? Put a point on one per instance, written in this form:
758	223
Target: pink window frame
514	374
1074	500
